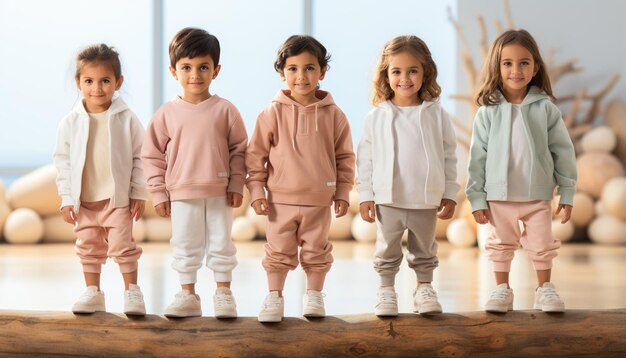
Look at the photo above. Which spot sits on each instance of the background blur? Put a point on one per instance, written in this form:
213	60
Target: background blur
40	39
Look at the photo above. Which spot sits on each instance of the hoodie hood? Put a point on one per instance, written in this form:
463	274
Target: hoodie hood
117	105
282	98
534	94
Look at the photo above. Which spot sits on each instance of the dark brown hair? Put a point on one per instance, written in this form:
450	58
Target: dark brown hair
98	54
298	44
193	42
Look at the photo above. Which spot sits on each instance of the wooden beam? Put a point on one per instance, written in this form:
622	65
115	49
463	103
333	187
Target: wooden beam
517	333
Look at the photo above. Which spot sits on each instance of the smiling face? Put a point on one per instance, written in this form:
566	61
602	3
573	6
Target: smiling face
195	76
517	68
302	73
406	76
97	83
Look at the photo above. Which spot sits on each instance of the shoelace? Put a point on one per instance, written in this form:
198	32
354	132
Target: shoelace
315	299
387	297
550	294
134	296
499	294
224	299
87	295
271	303
427	294
181	297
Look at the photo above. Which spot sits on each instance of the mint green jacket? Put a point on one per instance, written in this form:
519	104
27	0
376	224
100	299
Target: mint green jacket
553	162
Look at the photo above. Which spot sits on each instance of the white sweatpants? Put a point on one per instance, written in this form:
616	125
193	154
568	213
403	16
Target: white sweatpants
201	227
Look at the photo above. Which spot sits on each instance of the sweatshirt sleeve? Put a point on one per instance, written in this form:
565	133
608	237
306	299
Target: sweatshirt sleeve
450	160
237	141
344	159
257	155
62	162
563	155
365	164
475	188
154	160
137	178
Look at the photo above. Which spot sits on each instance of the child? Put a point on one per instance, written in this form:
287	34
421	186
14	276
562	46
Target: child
520	150
407	169
100	179
301	151
194	161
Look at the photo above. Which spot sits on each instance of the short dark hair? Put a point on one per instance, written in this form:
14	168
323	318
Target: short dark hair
98	54
298	44
193	42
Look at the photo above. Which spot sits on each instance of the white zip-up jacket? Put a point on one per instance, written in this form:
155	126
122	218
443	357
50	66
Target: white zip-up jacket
126	137
376	155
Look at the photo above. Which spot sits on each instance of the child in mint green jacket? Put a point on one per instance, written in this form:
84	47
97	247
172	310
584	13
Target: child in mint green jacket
520	151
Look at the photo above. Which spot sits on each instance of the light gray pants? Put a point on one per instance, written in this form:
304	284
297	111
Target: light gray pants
421	244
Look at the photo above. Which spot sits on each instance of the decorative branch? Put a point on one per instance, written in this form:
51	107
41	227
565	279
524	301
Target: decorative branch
507	14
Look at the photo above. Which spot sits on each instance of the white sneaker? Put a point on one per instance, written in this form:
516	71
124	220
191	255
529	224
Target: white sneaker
547	300
90	301
224	303
133	301
185	305
387	302
313	304
501	300
273	308
425	300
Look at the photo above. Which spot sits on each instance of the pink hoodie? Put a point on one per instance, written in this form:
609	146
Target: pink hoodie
194	151
302	155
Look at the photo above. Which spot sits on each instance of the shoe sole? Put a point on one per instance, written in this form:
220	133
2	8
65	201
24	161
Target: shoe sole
182	315
270	319
135	313
88	310
226	315
428	310
549	309
499	309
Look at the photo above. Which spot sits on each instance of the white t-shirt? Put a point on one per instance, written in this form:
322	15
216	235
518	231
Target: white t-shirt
97	178
519	158
410	163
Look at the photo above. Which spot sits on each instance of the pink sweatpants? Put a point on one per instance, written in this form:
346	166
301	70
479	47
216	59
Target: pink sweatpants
536	237
288	227
101	232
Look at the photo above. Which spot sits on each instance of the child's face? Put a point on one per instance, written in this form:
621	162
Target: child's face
98	84
405	76
302	74
195	76
517	69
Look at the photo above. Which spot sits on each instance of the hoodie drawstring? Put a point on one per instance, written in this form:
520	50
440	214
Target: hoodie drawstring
295	127
316	117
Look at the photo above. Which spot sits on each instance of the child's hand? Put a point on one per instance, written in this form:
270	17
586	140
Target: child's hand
567	212
261	207
163	209
481	216
446	209
136	208
368	211
341	208
234	199
68	214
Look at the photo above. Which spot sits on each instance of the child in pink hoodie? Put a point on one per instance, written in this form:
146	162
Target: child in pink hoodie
301	152
193	158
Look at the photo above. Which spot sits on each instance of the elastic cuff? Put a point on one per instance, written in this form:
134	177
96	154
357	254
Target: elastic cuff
187	278
502	266
315	280
222	276
127	267
424	276
276	280
542	265
92	268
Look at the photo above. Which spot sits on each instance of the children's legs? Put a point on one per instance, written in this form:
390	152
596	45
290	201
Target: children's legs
543	276
221	252
502	277
504	236
188	241
122	247
129	277
421	243
92	279
281	249
91	245
315	254
388	257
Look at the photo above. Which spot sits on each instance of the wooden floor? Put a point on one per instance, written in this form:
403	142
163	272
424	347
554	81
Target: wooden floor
48	277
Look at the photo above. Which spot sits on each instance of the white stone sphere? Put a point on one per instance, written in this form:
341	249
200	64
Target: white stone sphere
601	209
243	229
607	230
139	230
23	226
599	139
158	228
55	229
584	210
461	234
36	190
2	192
441	226
259	221
563	232
5	210
614	197
355	203
340	227
362	231
595	170
465	211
